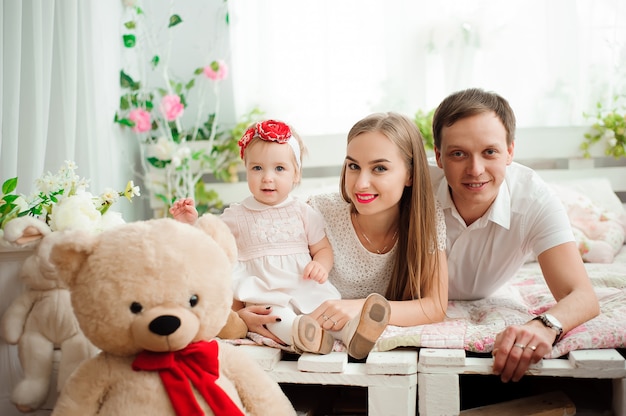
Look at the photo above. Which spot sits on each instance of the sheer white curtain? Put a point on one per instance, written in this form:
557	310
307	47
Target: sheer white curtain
323	65
59	88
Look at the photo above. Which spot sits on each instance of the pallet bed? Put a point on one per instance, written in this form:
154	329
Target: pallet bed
446	350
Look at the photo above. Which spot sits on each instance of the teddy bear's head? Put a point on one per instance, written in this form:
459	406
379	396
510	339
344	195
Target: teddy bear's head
37	272
154	285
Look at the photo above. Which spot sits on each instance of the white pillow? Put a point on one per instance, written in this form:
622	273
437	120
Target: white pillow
598	190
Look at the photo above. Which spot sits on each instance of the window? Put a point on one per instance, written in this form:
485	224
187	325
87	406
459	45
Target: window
323	65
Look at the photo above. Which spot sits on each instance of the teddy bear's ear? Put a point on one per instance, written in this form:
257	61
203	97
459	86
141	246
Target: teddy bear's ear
216	228
68	250
25	230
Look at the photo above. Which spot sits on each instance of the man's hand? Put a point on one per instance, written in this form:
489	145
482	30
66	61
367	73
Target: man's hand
519	346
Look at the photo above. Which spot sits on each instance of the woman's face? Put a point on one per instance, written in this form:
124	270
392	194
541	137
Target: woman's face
375	174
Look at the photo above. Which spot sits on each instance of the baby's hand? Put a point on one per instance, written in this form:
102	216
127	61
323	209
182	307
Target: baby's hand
315	271
184	210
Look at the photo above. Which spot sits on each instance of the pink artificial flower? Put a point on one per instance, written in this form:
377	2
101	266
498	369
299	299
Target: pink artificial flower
141	118
171	107
217	70
268	130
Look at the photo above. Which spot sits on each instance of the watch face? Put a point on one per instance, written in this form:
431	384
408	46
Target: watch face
552	321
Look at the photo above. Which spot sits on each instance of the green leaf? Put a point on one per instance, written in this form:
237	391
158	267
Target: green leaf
126	122
174	20
190	84
136	86
9	185
164	199
129	40
125	80
5	209
10	198
155	61
196	154
198	71
125	103
130	24
158	163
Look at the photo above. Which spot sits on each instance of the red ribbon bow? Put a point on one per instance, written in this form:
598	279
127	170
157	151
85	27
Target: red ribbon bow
197	363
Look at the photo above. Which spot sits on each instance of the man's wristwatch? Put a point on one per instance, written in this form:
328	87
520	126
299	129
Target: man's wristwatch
551	322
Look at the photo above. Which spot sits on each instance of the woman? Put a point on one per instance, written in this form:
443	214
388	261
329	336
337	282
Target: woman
386	230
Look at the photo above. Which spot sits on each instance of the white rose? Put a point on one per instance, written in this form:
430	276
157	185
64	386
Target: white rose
164	149
76	212
110	219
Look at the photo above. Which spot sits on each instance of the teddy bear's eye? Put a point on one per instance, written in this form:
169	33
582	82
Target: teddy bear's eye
193	300
135	307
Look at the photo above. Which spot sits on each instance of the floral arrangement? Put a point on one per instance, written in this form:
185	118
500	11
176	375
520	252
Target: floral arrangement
608	125
173	157
61	201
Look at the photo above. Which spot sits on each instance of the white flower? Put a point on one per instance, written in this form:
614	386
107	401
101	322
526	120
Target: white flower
176	161
108	197
110	219
182	155
164	148
183	152
75	212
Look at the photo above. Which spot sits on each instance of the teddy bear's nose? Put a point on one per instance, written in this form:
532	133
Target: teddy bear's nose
164	325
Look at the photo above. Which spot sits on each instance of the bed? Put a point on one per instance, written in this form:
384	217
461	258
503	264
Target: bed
463	342
588	351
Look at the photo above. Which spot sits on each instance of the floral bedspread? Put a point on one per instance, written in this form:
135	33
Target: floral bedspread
472	325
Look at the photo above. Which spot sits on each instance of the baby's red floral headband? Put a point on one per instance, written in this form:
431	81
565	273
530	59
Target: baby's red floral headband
271	131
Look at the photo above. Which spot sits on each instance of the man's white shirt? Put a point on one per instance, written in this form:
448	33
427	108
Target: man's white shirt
525	219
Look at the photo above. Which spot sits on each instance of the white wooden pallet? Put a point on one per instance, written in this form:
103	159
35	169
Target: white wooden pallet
390	377
439	371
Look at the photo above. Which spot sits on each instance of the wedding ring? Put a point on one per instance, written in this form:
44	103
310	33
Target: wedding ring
334	323
518	345
532	347
325	317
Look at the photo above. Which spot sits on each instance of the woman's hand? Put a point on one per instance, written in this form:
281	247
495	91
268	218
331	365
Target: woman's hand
257	317
334	314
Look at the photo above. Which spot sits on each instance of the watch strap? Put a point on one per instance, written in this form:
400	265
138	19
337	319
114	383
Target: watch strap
546	322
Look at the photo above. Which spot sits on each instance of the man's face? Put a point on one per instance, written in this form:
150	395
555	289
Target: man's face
474	156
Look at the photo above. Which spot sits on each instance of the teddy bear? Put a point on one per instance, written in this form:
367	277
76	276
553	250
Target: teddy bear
40	319
152	296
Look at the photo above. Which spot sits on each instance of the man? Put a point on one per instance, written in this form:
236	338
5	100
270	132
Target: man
498	213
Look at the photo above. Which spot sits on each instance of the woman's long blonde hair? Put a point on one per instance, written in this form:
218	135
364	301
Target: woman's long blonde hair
416	264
